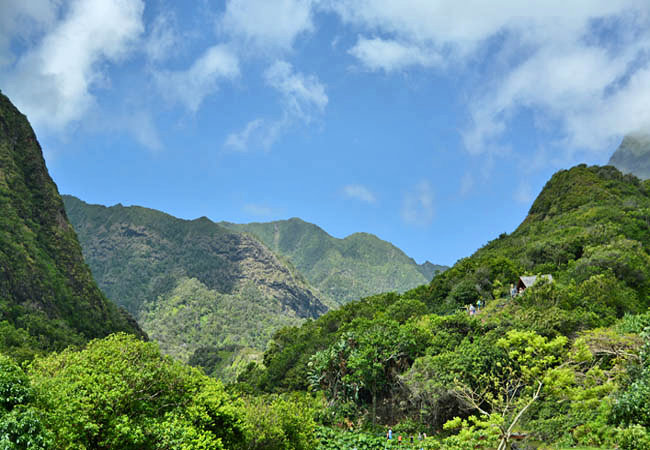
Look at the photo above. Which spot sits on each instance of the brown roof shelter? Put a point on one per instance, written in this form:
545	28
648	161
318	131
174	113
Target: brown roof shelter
526	282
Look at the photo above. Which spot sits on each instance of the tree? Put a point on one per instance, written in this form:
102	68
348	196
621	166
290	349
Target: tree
510	389
21	426
120	392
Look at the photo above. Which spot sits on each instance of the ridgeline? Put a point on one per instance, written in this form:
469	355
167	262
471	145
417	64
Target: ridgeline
48	298
193	284
342	269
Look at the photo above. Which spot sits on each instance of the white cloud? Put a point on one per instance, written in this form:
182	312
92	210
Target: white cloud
266	25
257	133
21	20
163	38
52	81
302	95
580	65
303	98
390	55
417	207
359	192
190	87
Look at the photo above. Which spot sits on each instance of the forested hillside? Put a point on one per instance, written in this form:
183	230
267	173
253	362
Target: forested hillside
342	269
564	362
48	298
192	284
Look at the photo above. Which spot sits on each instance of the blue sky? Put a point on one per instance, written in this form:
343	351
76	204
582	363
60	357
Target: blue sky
432	124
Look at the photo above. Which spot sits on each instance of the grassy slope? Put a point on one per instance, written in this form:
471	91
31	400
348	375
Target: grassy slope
45	286
342	269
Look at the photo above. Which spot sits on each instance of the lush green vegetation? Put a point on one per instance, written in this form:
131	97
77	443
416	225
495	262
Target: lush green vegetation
341	269
192	321
564	363
193	285
120	392
48	298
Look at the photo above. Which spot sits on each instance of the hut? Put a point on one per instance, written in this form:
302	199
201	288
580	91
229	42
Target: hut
526	282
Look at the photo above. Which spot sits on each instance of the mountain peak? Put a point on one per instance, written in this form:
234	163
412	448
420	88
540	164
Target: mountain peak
633	155
580	186
43	277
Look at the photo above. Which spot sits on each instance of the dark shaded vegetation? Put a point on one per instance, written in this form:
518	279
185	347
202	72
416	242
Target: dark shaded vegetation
48	298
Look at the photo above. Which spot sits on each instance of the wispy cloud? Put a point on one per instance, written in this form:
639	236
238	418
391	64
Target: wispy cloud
266	26
391	55
581	65
163	38
23	20
53	80
191	86
302	95
523	193
303	98
417	206
466	183
359	192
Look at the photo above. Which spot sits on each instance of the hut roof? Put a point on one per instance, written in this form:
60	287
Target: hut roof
527	282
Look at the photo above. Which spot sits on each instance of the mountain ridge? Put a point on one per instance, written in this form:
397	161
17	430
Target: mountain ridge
48	297
343	269
178	276
633	155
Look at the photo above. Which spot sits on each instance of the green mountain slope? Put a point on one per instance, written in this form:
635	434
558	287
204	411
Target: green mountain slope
48	298
589	228
192	284
633	156
342	269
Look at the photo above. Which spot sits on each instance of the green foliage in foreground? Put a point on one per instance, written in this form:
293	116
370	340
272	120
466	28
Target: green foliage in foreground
565	363
120	392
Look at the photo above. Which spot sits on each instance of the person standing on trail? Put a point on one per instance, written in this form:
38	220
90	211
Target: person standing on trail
472	310
389	435
479	304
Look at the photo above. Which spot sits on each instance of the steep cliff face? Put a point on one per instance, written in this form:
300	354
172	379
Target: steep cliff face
633	156
341	269
138	253
46	289
191	283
